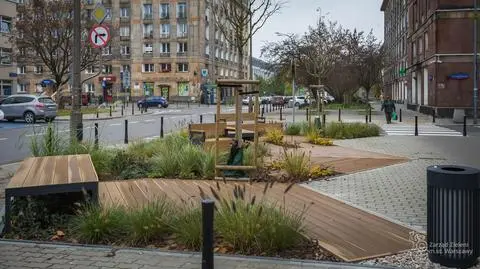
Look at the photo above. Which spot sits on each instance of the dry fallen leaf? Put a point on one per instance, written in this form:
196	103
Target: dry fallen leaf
60	233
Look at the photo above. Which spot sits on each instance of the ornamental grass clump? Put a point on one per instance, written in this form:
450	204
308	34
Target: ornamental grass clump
340	130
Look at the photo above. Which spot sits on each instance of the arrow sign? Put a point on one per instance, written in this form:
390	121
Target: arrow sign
99	36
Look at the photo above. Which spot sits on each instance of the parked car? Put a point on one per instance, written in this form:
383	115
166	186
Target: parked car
277	100
153	101
2	116
29	108
246	100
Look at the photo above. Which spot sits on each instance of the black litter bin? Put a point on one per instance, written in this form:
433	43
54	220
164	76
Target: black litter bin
453	215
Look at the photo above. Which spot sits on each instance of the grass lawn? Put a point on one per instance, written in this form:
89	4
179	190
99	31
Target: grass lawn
86	110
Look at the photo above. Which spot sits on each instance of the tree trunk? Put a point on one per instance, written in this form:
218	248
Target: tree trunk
238	100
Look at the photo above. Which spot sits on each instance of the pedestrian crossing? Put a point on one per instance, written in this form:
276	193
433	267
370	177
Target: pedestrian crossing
423	130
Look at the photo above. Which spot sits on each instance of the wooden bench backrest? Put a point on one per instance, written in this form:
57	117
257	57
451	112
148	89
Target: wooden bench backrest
231	116
209	128
262	127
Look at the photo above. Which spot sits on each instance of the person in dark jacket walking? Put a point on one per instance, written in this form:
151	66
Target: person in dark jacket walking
389	107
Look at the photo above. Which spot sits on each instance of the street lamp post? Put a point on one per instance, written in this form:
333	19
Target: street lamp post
475	59
76	125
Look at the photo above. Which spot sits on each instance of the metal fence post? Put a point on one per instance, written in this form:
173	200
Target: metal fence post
366	119
400	117
416	125
433	116
110	111
126	132
161	127
201	118
281	113
207	227
339	114
370	115
464	125
133	109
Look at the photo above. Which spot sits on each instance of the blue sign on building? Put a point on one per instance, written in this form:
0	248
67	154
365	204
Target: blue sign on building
459	76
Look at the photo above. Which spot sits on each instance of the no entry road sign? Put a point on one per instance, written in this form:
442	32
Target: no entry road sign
99	36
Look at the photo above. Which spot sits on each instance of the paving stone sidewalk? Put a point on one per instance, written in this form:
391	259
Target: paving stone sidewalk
31	255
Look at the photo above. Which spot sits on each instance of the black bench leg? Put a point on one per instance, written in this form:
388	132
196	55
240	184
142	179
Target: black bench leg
8	206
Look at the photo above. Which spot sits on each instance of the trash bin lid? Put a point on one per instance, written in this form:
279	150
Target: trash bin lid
453	176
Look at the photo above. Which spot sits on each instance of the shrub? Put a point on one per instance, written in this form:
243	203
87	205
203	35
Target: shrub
293	129
262	152
252	227
274	136
187	227
318	171
314	137
50	144
150	222
127	165
102	159
297	164
339	130
94	224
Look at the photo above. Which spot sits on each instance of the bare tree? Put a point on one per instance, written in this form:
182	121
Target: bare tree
43	34
372	55
239	20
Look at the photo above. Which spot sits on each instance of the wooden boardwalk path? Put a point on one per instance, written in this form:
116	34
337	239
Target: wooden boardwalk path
348	232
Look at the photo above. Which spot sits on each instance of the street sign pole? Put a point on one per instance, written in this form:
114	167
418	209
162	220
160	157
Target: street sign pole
76	124
475	69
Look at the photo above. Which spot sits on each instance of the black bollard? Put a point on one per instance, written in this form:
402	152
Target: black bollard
464	125
122	110
324	119
370	115
126	132
306	114
416	125
188	104
201	118
141	110
110	111
263	110
400	116
97	114
146	108
339	114
366	119
281	113
96	135
433	115
133	109
161	127
215	118
207	227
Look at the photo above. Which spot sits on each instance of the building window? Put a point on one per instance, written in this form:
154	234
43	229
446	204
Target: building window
22	69
125	50
165	48
426	42
126	68
148	30
148	68
164	10
147	11
166	67
182	67
89	87
38	69
5	24
207	32
108	13
164	30
181	10
125	31
182	30
124	12
5	87
207	49
6	55
90	69
148	48
107	50
22	88
182	47
107	69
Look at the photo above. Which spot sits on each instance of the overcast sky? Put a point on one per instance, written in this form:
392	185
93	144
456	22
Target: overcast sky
297	15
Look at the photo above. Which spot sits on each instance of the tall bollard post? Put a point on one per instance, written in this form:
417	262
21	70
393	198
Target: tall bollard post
207	227
126	132
400	116
324	119
110	111
339	114
215	118
96	135
201	118
366	119
464	125
263	110
188	104
161	127
281	113
370	115
97	114
133	109
306	114
122	110
416	125
433	115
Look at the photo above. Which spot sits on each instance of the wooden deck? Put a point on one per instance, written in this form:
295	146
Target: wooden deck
52	174
348	232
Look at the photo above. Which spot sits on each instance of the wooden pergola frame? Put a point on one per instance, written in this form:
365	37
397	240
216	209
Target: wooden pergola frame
237	85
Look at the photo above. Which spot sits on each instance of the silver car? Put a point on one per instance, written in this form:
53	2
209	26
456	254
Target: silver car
29	108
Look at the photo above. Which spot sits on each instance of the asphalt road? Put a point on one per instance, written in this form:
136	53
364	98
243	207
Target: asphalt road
15	138
472	130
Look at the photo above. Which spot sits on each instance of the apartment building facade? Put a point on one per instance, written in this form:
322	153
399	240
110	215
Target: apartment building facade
261	69
8	80
440	47
158	48
395	43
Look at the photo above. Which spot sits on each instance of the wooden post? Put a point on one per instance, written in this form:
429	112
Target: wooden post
216	130
238	117
255	130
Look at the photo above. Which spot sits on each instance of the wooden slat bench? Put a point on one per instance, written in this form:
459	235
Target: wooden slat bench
52	174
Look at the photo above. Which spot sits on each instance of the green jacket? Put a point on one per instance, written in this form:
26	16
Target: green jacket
388	106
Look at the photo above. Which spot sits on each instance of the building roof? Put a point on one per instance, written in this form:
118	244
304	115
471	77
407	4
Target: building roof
384	5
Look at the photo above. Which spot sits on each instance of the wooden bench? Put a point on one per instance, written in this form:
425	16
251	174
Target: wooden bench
207	128
49	175
246	134
231	116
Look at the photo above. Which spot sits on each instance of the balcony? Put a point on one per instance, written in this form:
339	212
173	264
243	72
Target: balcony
147	53
107	2
164	54
125	38
165	35
164	16
181	15
182	35
182	54
125	19
148	35
124	1
148	16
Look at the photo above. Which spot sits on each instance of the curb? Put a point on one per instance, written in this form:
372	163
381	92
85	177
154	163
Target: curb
110	118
